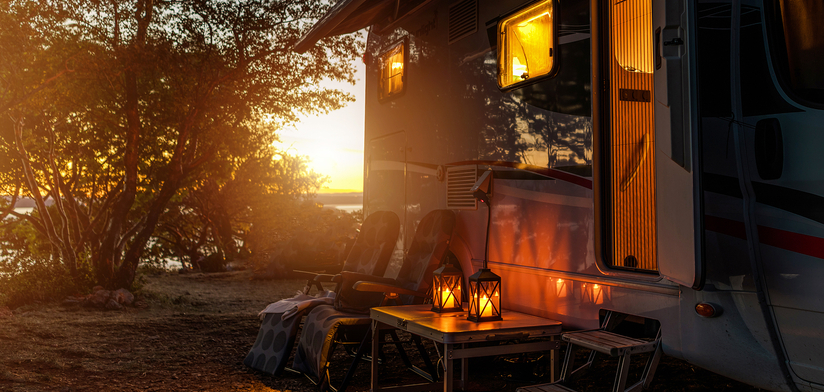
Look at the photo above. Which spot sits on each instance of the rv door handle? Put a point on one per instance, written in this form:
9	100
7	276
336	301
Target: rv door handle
644	148
657	48
674	41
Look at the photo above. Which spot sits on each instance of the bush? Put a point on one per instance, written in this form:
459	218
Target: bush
214	262
36	282
28	270
321	244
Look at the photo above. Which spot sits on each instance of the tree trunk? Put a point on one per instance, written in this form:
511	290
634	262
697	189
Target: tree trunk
108	264
227	237
126	273
64	247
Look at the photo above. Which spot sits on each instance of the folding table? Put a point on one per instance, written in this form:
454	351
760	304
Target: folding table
456	333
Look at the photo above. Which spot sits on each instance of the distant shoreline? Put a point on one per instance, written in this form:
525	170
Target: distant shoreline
343	201
27	202
335	199
327	199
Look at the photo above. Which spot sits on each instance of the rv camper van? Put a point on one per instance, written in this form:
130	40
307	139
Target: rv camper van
651	158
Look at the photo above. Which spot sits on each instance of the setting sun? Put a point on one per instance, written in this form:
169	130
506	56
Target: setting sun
333	142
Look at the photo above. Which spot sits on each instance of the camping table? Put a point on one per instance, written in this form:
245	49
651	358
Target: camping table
454	331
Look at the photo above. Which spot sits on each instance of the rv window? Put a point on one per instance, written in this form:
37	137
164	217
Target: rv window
525	41
632	29
801	49
392	72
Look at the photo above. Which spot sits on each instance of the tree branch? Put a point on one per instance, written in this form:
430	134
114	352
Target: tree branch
10	209
42	86
34	189
69	257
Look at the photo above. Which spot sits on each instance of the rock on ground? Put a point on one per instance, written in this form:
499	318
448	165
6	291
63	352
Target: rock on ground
103	299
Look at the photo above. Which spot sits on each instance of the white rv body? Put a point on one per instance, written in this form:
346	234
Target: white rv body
751	246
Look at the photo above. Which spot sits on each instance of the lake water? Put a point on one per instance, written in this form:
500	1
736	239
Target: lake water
20	210
346	207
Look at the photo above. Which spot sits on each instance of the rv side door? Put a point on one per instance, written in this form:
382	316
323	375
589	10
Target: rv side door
676	165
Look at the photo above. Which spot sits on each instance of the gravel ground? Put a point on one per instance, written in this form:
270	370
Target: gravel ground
193	331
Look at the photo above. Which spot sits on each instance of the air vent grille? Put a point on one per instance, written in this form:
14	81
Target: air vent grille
458	182
463	19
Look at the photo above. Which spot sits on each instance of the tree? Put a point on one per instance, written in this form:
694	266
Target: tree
261	191
116	108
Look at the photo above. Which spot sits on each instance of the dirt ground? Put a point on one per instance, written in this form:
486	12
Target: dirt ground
191	332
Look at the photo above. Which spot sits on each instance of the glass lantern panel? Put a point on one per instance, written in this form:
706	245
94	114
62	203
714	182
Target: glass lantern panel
489	299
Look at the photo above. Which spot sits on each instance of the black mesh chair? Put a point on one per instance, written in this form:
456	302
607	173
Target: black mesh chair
347	322
369	254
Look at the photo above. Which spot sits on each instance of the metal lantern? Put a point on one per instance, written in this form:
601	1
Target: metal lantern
484	296
446	289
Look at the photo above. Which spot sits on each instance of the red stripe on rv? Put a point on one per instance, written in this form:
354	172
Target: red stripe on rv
794	242
787	240
725	226
544	171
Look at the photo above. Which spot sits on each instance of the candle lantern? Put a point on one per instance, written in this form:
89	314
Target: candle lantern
446	289
484	296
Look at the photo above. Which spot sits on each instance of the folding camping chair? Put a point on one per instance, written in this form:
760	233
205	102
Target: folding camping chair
369	255
347	322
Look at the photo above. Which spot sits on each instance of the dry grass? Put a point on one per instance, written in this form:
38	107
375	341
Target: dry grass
193	335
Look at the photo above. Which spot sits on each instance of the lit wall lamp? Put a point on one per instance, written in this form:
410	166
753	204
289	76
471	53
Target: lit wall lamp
481	188
484	285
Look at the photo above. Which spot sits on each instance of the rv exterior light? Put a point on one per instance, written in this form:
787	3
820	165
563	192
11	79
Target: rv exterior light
392	72
446	289
525	43
706	309
481	196
482	187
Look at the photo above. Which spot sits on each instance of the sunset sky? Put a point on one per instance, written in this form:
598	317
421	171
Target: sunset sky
333	142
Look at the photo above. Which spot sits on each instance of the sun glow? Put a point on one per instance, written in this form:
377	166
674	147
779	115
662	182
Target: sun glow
344	166
333	142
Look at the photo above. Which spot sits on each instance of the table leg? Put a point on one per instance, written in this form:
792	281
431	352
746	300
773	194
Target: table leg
555	362
464	370
375	354
448	377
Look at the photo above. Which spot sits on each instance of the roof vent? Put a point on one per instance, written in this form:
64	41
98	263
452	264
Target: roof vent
463	19
459	180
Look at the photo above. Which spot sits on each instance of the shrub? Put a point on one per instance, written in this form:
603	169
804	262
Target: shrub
321	244
29	271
